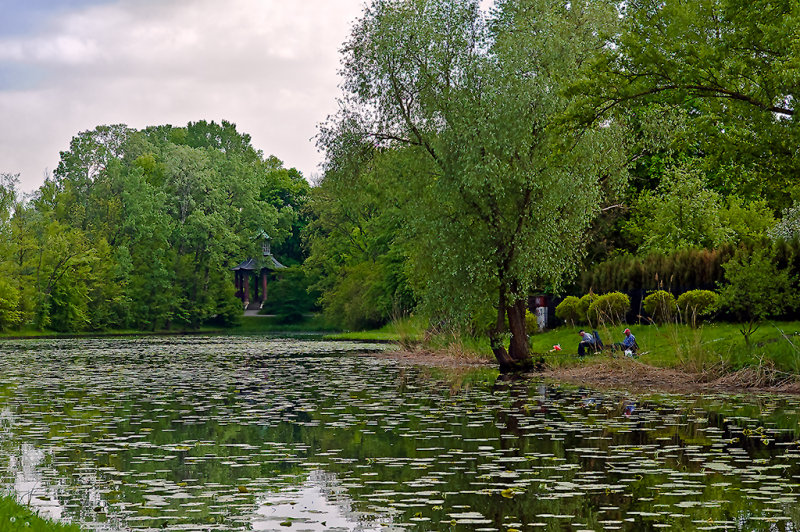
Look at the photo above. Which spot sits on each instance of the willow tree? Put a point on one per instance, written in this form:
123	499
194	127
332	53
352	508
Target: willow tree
497	194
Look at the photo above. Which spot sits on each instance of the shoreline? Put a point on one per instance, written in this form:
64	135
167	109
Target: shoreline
616	373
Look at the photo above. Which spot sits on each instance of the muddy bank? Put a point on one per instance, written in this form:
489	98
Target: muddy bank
622	373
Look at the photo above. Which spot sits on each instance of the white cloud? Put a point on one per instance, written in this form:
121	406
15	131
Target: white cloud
267	65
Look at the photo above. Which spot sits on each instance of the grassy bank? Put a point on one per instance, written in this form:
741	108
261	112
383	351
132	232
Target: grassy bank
31	332
247	325
716	348
408	330
711	347
17	517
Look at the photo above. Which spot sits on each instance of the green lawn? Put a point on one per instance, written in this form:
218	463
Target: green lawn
17	517
676	345
406	330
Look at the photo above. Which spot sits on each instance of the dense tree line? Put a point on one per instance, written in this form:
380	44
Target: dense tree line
477	157
482	156
139	229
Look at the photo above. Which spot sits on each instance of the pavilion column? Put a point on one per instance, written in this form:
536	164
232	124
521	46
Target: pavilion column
263	286
246	280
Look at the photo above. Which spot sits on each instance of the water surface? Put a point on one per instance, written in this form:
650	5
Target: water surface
255	434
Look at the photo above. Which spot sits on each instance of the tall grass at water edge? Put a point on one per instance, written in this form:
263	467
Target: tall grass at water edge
16	517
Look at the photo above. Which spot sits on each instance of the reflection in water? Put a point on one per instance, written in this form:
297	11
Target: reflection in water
28	483
320	503
240	434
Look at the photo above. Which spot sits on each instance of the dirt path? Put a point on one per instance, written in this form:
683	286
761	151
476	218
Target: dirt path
615	373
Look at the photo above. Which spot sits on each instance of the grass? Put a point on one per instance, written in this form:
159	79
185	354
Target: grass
17	517
248	325
407	330
713	348
314	323
716	347
30	331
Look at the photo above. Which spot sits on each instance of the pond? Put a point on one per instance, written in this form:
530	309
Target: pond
236	433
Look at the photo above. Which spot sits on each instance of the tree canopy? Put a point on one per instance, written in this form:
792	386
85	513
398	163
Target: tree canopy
140	228
495	194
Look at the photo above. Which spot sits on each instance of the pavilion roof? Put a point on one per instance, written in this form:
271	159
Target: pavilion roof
269	262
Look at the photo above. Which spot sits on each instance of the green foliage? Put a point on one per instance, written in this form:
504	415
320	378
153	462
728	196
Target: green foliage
585	302
608	308
140	228
476	117
10	315
660	306
736	116
355	238
353	302
289	296
697	304
756	289
531	322
684	268
570	311
788	228
227	306
683	213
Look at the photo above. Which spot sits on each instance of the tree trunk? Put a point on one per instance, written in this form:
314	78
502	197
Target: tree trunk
519	350
496	336
517	357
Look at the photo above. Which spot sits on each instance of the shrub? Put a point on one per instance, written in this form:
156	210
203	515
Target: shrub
585	302
569	310
290	317
609	308
697	303
756	289
660	306
531	323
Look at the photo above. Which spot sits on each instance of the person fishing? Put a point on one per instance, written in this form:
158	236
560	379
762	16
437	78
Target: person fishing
627	344
587	342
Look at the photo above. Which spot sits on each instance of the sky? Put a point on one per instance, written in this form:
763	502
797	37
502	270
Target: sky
66	66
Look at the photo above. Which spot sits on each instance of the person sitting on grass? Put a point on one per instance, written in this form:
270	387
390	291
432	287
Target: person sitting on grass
587	341
628	344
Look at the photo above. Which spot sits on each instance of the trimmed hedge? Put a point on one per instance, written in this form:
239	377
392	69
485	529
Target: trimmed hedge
569	310
660	306
697	304
608	308
585	303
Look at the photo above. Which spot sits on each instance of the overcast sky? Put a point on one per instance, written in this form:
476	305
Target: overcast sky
269	66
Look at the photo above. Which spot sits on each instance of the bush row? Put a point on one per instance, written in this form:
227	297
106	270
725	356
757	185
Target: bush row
660	306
